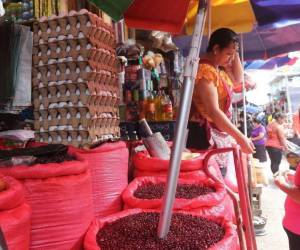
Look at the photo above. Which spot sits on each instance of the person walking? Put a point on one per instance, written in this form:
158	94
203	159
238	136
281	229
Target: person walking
276	141
258	137
291	220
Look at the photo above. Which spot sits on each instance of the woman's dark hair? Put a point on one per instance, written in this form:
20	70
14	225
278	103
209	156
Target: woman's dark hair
278	115
222	37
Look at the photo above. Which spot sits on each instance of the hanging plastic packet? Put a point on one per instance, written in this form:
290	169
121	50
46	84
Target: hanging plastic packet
176	63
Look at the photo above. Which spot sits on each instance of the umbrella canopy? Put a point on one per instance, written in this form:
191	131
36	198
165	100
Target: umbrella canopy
239	15
253	109
260	43
276	13
275	62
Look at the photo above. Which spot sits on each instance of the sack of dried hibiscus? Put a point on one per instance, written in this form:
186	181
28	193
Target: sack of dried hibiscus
136	229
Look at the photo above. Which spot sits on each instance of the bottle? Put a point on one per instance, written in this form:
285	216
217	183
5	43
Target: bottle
134	136
167	109
150	113
157	101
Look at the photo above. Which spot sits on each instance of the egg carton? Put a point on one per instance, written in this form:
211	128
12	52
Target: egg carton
74	49
70	72
45	98
71	92
64	136
94	56
75	24
77	138
74	116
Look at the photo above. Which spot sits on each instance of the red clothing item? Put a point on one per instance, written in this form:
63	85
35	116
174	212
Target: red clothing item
273	139
291	220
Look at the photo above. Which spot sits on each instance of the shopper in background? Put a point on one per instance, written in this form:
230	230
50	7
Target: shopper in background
258	137
291	220
276	141
210	116
241	124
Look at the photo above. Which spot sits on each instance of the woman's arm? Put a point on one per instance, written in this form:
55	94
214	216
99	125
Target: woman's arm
235	71
207	92
281	137
292	191
260	136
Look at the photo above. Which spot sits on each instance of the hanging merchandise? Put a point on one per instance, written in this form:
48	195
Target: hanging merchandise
60	195
21	11
22	96
75	85
9	54
108	165
15	214
15	68
147	75
2	10
162	40
136	228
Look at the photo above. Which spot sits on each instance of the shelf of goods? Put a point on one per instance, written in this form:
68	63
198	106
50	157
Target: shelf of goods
75	87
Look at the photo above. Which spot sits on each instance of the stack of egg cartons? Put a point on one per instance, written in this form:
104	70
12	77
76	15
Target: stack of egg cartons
75	87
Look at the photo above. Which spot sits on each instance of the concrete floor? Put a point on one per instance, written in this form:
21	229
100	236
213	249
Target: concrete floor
273	208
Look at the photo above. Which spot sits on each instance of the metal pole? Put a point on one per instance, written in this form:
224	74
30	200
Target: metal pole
209	19
190	71
244	87
245	124
288	97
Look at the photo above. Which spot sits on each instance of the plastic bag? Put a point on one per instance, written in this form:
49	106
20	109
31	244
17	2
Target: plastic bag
109	172
15	224
142	161
61	200
229	242
14	215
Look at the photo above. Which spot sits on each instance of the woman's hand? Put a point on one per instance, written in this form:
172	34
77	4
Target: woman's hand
280	182
246	144
235	69
289	188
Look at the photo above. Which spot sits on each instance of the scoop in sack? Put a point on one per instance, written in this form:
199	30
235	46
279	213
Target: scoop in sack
154	142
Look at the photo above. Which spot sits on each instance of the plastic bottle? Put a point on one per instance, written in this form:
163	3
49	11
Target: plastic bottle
157	101
167	109
150	114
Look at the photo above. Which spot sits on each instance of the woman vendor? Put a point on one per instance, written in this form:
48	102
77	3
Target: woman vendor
210	117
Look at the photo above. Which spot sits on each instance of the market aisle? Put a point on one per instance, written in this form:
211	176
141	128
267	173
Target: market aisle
273	208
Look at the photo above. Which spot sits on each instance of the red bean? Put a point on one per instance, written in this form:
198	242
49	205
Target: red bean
186	191
138	231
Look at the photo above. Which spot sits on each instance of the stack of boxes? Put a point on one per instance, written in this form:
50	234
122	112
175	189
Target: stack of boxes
75	87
